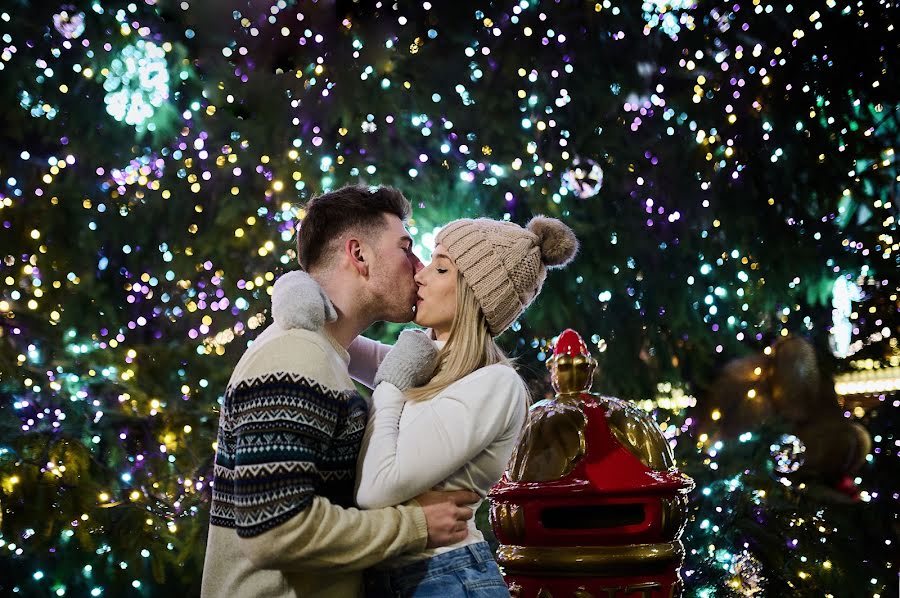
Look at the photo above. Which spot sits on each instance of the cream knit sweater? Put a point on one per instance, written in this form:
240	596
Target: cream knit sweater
282	522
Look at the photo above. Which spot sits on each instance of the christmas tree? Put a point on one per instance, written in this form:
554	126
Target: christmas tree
729	167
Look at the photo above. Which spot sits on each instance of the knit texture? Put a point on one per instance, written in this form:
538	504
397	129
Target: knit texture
290	429
505	264
410	362
283	439
299	302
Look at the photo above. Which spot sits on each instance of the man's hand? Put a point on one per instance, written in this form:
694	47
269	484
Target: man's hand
446	515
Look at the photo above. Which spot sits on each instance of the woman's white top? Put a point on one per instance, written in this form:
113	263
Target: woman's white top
461	439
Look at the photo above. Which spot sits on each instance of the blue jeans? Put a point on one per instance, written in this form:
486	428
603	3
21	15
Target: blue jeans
467	572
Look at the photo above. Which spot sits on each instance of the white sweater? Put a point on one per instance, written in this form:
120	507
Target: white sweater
461	439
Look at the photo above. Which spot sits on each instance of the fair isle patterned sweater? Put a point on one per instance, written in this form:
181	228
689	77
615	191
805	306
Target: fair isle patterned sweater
282	522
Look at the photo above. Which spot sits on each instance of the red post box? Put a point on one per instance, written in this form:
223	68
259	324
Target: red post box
591	504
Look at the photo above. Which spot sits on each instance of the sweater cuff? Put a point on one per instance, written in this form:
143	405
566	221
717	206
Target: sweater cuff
386	394
412	509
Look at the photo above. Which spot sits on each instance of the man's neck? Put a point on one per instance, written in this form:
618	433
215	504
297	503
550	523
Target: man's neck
351	320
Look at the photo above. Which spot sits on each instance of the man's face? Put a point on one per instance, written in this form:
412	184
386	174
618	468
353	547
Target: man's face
392	272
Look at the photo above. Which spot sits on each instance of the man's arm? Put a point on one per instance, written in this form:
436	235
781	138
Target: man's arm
326	536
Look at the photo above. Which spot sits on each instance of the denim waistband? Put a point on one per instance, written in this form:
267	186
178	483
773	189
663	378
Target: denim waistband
465	556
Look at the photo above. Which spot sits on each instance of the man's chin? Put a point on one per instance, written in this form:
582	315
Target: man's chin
404	317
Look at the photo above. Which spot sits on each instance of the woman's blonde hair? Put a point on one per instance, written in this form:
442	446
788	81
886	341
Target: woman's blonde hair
469	347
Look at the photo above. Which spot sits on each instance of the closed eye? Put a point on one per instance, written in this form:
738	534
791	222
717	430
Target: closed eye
442	270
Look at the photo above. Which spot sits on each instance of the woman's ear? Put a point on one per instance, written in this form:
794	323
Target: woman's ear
356	252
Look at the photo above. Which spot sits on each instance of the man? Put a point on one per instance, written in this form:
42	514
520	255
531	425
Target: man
282	522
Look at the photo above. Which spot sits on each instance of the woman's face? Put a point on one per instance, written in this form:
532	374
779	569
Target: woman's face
436	305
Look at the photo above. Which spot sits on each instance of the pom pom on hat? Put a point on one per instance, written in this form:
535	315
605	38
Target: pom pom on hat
557	241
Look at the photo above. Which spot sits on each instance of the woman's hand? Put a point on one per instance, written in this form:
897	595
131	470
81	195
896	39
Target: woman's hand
410	363
299	302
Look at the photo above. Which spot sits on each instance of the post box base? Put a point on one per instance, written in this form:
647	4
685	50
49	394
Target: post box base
631	571
666	586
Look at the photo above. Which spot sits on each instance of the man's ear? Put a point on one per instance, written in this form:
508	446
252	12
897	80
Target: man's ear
356	254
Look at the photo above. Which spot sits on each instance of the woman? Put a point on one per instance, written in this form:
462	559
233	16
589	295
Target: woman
448	407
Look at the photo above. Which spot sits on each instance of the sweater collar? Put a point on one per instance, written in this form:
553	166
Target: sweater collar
338	348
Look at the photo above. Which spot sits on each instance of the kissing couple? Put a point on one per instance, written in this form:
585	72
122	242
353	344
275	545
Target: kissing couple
320	492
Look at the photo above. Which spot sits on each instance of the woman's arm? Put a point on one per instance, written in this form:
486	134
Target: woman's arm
452	428
365	357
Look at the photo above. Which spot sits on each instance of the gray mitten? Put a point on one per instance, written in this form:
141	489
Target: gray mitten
410	363
299	302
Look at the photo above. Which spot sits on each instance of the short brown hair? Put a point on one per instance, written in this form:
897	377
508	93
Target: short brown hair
332	214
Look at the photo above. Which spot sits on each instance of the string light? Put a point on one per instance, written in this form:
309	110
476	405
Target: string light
136	269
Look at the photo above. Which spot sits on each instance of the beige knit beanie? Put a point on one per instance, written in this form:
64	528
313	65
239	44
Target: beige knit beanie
506	264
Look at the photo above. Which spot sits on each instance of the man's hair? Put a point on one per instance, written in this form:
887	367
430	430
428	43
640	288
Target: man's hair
353	208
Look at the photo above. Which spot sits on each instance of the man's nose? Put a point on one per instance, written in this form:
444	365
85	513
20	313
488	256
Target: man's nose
418	266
